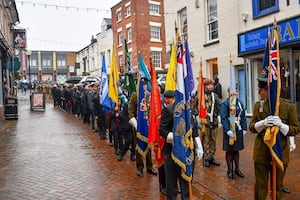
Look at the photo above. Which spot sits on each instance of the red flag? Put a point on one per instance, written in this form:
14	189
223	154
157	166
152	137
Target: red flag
201	103
154	138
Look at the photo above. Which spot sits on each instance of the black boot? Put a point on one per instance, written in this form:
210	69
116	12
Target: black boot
214	162
239	173
206	163
230	174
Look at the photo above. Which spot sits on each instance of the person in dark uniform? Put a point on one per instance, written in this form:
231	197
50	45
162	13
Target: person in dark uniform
172	170
217	86
132	111
287	122
99	114
169	98
232	151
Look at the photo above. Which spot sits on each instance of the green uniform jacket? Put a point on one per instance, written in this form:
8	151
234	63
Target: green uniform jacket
132	107
288	115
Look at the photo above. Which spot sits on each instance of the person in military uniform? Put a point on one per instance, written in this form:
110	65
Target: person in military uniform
288	126
209	137
172	170
232	150
132	111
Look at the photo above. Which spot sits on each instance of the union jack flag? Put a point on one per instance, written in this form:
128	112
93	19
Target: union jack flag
272	136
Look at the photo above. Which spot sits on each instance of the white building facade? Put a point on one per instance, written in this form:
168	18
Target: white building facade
216	31
90	57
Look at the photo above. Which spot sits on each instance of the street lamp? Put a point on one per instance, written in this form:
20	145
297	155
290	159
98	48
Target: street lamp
28	54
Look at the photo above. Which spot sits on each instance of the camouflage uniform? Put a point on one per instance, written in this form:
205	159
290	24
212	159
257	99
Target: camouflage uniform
209	136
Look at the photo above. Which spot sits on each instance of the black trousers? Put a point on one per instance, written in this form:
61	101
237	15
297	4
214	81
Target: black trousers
173	174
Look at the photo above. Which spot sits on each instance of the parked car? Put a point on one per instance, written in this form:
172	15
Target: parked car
89	79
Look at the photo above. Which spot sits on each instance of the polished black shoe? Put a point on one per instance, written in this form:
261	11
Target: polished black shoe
151	171
163	190
120	157
206	163
285	189
214	162
230	174
239	173
132	157
139	173
117	152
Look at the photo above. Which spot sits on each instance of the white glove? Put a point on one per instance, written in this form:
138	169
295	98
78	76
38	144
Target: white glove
262	124
199	148
292	143
198	120
133	123
244	132
230	133
170	137
284	129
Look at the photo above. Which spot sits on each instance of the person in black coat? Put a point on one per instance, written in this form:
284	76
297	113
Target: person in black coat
232	151
99	115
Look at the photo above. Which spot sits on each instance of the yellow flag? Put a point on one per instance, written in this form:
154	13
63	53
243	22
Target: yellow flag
171	74
113	77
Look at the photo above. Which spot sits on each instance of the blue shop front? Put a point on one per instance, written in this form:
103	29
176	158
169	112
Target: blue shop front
251	46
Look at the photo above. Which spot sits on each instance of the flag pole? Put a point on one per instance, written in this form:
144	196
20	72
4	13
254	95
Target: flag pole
190	190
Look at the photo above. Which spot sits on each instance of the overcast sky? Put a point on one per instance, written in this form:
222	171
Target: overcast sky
62	25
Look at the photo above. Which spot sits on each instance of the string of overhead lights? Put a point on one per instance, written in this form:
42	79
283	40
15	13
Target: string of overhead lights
45	5
56	42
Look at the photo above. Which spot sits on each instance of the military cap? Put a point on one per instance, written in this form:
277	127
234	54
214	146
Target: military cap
263	78
169	93
207	81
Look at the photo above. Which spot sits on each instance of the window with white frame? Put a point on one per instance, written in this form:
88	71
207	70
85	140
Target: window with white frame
120	38
129	34
264	7
156	58
120	60
46	63
154	9
119	15
155	32
33	62
183	23
212	20
127	11
61	63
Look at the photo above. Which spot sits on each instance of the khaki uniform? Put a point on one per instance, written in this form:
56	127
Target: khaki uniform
132	111
261	155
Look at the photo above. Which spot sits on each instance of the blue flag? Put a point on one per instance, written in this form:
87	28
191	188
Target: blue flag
190	75
104	99
182	152
142	121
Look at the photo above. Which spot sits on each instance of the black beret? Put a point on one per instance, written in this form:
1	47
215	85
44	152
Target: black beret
169	93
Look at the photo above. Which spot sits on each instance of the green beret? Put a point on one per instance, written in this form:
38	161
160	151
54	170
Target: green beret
169	93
